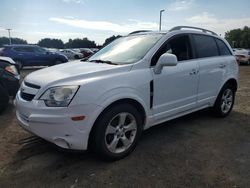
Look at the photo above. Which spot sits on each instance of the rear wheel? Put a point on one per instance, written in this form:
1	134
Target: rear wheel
4	99
225	101
76	57
117	132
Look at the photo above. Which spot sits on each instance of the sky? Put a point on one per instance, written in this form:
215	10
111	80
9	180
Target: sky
100	19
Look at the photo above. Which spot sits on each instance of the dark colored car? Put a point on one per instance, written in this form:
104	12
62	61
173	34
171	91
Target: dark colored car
9	81
32	55
86	52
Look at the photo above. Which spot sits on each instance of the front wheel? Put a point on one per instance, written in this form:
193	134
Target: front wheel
117	132
225	101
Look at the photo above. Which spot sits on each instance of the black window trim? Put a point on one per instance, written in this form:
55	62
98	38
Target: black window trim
152	63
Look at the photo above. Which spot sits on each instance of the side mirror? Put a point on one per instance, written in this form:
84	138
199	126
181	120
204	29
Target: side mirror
165	59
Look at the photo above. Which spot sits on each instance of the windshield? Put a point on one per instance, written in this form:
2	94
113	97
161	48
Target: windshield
127	49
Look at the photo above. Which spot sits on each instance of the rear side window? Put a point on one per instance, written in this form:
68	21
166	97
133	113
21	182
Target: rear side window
23	49
205	46
223	47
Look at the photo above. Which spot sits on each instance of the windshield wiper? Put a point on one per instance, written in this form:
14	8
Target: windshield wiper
103	61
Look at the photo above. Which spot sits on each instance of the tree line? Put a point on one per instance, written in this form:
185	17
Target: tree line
58	43
237	38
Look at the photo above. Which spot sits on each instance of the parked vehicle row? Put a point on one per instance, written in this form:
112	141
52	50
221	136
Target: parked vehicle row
134	83
32	55
242	55
71	54
9	81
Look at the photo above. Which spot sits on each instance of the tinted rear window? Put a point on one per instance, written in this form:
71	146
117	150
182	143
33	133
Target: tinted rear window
223	47
205	46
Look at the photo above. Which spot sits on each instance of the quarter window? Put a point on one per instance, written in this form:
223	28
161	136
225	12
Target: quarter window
223	47
205	46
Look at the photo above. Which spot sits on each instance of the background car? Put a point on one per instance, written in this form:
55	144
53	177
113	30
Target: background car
9	81
94	49
86	52
32	55
242	55
71	54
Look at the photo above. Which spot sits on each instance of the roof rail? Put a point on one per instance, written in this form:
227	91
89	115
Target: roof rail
139	31
196	28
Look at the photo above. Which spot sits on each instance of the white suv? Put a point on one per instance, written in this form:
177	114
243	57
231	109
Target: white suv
135	82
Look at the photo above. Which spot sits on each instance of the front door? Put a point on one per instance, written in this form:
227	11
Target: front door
175	89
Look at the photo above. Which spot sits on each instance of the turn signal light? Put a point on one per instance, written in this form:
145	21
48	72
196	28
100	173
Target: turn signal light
78	118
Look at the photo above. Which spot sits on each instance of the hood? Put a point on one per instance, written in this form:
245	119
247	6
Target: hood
73	71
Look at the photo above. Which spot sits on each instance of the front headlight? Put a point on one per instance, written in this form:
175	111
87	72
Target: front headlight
59	96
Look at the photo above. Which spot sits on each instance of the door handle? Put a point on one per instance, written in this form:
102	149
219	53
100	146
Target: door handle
222	66
193	72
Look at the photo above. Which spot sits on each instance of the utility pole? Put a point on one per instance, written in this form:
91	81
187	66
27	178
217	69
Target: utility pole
9	34
161	11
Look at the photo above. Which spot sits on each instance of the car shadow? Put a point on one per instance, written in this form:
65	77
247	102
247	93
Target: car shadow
188	125
171	144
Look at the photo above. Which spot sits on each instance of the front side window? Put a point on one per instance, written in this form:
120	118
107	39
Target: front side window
179	46
205	46
127	50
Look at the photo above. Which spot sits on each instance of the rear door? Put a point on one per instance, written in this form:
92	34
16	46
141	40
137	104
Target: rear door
24	54
212	68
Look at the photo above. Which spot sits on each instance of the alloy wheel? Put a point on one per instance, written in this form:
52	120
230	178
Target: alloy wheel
120	132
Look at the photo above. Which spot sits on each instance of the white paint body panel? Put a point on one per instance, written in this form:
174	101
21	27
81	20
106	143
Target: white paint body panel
176	92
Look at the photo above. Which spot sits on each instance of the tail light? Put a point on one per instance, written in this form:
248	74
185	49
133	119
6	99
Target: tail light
11	69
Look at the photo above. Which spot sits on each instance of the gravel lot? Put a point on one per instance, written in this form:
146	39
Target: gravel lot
197	150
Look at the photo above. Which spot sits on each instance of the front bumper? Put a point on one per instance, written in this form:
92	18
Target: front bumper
55	124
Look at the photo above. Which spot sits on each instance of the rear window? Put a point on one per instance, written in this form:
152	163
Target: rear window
205	46
223	47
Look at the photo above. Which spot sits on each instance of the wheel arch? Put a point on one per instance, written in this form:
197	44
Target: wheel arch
233	82
131	101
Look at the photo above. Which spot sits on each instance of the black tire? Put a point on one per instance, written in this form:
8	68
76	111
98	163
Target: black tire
100	138
76	57
4	99
218	108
